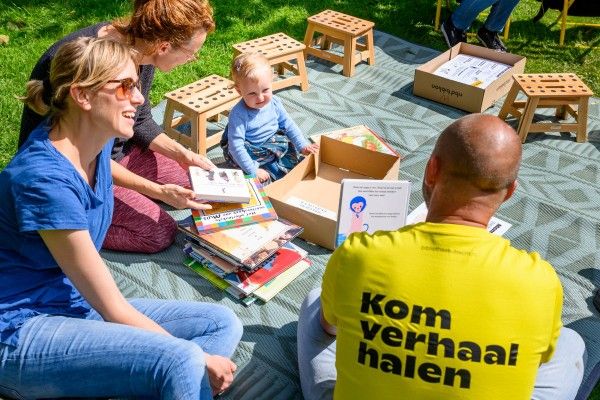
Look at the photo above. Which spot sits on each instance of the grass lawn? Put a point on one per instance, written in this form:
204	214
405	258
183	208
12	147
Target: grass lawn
33	26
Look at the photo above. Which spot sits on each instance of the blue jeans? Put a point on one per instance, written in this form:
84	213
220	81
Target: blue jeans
559	379
69	357
465	14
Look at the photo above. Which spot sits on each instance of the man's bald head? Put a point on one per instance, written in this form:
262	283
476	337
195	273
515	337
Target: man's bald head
481	151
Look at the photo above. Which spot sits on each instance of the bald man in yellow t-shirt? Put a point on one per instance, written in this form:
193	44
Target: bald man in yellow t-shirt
443	309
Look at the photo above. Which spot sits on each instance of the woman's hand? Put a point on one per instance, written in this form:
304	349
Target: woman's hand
179	197
220	372
189	158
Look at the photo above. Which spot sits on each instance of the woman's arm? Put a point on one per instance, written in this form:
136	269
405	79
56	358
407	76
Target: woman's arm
173	195
166	146
76	255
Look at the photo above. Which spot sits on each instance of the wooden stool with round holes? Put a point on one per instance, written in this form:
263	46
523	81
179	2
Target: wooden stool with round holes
283	53
564	92
198	102
344	30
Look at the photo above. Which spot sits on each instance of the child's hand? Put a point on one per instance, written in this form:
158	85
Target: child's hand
263	175
310	149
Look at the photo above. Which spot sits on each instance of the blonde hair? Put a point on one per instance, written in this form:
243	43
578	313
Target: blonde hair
173	21
86	62
246	66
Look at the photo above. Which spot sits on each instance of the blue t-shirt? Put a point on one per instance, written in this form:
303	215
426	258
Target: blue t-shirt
257	126
41	190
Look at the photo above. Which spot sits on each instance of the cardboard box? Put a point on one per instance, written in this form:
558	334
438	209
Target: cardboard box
309	194
461	95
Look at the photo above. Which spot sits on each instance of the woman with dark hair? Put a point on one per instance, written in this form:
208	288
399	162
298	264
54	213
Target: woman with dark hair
166	34
65	328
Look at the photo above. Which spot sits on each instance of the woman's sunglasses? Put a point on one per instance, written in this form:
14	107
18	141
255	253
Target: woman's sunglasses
125	91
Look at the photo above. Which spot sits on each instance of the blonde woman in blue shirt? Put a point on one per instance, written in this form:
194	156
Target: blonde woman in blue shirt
65	328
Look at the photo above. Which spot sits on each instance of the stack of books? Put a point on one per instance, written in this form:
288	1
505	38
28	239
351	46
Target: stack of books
241	248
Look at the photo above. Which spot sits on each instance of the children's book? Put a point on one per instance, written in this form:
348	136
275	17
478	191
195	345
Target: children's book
359	135
227	215
217	282
220	184
284	258
245	246
267	291
370	205
495	226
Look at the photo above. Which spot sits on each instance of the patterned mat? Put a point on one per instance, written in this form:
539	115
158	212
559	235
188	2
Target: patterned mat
554	212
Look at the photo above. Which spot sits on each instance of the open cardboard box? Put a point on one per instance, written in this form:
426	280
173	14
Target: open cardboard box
309	194
461	95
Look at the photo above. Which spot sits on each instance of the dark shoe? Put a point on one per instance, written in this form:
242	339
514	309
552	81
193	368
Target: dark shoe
452	34
490	39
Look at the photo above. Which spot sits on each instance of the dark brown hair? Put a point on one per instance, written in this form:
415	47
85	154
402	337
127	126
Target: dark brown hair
173	21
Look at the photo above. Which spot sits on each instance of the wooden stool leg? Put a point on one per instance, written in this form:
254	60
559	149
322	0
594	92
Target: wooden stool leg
508	103
325	43
198	142
371	47
308	36
561	112
302	73
527	118
349	46
280	70
582	117
168	121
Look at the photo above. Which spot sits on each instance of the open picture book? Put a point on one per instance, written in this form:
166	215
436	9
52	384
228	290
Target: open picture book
220	184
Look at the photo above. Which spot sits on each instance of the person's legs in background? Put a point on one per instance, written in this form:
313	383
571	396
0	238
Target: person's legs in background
488	34
467	12
560	378
316	351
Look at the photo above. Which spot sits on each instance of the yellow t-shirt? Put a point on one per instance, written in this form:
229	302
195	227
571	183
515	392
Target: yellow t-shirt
439	311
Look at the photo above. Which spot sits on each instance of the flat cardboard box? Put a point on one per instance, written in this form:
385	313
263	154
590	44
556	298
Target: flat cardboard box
460	95
309	194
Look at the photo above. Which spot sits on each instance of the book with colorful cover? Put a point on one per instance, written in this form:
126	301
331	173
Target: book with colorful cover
284	258
217	282
267	291
228	215
245	246
219	184
359	135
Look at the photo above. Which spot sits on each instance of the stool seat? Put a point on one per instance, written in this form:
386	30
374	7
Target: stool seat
342	29
198	102
281	50
564	92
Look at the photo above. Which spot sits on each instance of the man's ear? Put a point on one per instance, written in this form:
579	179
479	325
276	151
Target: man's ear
431	171
81	97
163	47
510	190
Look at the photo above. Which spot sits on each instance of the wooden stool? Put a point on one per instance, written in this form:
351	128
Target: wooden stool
198	102
280	49
559	91
344	30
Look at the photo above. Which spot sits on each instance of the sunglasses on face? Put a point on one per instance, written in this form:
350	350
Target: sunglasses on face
125	90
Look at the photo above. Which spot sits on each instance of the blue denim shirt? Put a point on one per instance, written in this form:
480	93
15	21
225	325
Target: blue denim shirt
41	190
